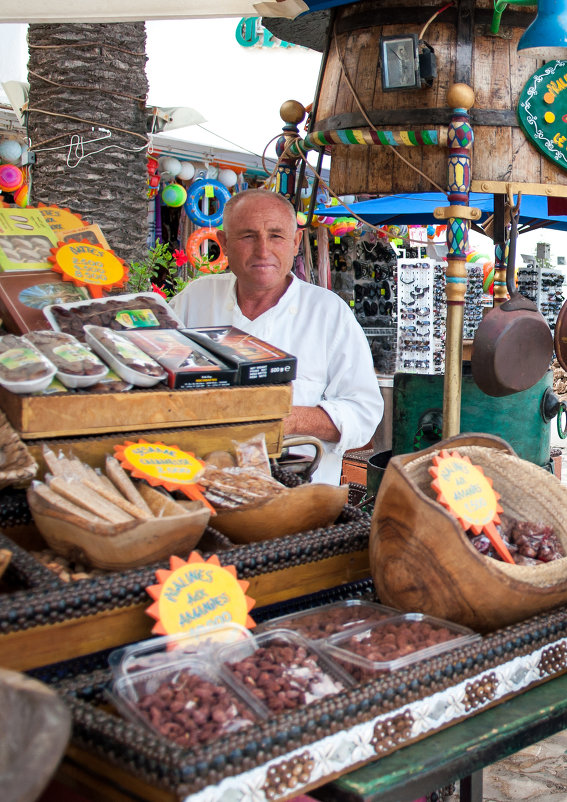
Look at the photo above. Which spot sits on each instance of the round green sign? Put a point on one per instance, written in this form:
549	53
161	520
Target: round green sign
542	111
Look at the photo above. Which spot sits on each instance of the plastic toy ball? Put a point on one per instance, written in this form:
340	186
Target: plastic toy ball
174	195
171	165
11	178
187	171
10	151
22	196
343	226
301	218
228	178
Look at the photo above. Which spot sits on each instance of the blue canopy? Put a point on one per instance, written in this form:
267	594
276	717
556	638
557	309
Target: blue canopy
418	210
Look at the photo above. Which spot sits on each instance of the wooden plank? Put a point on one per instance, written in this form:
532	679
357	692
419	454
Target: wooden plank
96	778
199	440
65	640
501	187
85	414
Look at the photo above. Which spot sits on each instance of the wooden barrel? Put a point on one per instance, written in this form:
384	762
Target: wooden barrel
465	52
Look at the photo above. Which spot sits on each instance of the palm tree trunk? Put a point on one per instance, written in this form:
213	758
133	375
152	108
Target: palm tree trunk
84	78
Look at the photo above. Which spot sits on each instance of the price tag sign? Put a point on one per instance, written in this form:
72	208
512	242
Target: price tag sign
468	494
196	594
209	191
89	265
162	465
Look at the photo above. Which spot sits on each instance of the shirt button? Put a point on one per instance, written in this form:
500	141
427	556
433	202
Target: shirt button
293	310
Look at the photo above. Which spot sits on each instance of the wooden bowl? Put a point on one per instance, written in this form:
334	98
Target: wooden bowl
296	509
176	529
422	561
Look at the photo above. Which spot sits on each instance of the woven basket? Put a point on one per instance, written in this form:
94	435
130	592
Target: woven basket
17	466
422	561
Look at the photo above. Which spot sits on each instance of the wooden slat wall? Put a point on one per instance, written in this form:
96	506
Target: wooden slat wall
498	75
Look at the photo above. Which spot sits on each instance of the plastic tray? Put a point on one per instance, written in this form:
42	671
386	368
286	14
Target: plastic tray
31	385
400	641
186	701
156	652
329	619
129	374
78	380
303	673
174	321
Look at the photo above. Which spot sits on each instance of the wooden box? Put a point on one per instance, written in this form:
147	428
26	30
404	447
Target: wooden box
83	413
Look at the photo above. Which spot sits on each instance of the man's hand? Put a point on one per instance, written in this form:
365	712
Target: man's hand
313	421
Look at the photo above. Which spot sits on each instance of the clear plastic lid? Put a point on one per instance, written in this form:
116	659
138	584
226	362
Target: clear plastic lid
77	366
329	619
155	653
282	670
23	368
394	643
125	358
186	701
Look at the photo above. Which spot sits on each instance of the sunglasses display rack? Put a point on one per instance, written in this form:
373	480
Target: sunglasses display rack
545	288
416	282
422	312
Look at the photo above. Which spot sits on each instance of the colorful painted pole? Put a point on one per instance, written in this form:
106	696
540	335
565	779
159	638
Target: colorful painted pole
292	113
458	215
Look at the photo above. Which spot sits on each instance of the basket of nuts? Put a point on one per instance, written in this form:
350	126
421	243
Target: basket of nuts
423	560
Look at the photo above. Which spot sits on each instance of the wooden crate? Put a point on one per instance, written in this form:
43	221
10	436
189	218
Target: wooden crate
199	440
82	413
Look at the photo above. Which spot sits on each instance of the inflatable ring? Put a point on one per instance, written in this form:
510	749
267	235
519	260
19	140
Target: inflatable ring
194	251
196	193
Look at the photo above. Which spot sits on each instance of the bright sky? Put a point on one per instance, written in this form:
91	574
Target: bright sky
199	63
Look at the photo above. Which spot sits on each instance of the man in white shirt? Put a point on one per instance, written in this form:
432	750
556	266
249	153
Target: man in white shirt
336	396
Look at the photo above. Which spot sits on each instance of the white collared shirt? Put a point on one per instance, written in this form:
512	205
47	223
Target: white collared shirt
334	363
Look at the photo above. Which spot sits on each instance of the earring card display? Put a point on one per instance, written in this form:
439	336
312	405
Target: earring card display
23	295
25	240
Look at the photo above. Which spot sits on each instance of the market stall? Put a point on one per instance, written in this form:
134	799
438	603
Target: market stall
340	658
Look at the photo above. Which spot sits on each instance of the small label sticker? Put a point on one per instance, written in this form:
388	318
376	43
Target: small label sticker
209	191
137	319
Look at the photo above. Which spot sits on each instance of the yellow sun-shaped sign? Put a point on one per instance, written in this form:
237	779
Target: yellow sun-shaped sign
165	466
88	265
465	490
196	594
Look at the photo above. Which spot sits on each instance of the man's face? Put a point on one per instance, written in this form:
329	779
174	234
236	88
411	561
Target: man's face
260	244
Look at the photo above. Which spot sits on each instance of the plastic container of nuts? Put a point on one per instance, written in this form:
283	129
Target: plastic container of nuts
124	357
282	670
157	652
394	643
23	369
330	619
76	364
186	701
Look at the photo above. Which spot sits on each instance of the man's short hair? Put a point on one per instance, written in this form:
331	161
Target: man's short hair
233	201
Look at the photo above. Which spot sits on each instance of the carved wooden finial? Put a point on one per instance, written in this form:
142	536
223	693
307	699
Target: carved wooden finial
460	96
292	111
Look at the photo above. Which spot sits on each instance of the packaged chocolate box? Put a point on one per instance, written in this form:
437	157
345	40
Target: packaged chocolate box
188	364
257	361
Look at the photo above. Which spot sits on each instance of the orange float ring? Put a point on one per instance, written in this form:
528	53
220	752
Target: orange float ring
193	250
